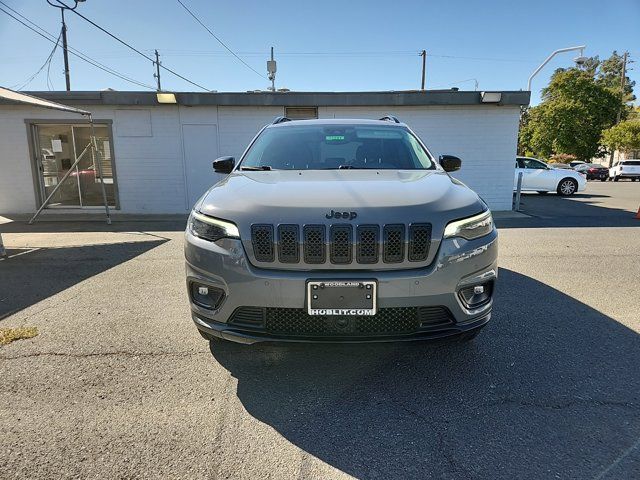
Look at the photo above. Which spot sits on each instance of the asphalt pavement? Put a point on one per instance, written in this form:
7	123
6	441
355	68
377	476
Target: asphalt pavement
118	383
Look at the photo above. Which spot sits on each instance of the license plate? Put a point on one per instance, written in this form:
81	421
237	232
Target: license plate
331	297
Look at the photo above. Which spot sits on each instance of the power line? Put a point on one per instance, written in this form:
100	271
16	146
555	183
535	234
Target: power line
133	48
47	63
220	41
48	36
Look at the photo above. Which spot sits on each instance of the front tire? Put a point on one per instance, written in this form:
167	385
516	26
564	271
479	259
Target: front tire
603	179
616	178
567	187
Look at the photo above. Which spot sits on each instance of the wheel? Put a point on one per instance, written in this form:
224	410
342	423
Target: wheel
603	179
567	186
542	192
616	178
634	179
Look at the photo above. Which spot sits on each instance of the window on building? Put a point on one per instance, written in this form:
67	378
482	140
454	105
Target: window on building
63	147
301	113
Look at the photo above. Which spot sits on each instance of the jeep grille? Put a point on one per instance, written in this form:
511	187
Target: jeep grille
396	244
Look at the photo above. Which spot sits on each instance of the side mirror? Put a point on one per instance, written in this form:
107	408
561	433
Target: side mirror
224	164
450	163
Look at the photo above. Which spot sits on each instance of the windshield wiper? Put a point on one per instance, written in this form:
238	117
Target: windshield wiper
261	167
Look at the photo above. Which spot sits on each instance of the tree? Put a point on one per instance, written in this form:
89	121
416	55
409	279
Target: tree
624	136
574	111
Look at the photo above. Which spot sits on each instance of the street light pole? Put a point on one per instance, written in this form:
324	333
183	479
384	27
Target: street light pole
560	50
65	54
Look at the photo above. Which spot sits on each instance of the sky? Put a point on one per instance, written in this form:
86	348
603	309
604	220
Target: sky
319	45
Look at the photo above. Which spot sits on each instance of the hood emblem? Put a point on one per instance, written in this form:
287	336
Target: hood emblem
345	215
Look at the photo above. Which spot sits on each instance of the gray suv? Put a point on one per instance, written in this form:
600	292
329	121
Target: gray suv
339	231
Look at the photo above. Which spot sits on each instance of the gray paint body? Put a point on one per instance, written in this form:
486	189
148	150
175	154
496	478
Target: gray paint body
305	197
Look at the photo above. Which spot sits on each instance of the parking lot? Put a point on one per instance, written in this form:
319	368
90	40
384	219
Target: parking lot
118	383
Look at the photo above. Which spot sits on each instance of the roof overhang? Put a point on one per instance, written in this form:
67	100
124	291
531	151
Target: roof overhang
291	99
13	97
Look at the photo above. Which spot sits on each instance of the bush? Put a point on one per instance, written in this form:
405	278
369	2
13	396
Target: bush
562	158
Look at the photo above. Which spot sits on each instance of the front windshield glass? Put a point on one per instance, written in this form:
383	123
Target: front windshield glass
330	147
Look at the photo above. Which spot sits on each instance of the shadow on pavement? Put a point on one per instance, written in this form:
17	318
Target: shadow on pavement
579	210
150	223
550	389
31	275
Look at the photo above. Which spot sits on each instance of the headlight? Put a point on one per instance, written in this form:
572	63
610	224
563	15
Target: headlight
210	228
470	228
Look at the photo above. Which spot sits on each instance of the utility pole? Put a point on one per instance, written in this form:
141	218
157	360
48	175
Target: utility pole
65	54
623	81
423	54
67	75
157	74
271	70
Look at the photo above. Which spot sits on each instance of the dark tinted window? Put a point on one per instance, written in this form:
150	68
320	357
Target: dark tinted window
327	147
631	162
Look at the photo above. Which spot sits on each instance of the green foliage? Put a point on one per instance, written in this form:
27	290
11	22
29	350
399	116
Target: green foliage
561	158
624	137
577	106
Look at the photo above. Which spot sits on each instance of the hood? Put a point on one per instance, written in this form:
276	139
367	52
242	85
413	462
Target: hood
376	196
330	197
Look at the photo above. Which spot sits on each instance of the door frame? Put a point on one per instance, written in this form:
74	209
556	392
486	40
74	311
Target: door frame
38	188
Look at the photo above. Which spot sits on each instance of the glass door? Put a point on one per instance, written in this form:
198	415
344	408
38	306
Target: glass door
59	146
56	157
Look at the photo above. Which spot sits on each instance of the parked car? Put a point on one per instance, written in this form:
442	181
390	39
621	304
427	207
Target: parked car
541	178
563	166
331	230
625	169
575	163
593	171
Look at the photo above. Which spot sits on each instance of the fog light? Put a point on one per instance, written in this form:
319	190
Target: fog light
205	296
477	295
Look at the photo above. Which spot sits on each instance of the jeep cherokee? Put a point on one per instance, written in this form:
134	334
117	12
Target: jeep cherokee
340	231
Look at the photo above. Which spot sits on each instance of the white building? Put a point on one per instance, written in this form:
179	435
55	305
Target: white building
157	157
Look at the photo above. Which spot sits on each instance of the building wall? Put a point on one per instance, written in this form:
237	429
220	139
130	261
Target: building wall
484	137
153	169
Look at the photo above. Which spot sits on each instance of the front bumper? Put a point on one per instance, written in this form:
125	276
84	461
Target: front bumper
459	263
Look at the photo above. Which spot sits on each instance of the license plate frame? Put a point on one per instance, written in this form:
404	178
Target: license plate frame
342	297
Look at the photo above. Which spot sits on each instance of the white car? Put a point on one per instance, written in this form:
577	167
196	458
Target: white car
539	177
625	169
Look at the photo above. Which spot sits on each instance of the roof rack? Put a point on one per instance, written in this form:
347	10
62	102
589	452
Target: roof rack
390	118
280	120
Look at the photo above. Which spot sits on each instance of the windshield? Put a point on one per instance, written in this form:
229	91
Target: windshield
330	147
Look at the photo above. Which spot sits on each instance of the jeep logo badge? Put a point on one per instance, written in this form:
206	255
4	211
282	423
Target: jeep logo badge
345	215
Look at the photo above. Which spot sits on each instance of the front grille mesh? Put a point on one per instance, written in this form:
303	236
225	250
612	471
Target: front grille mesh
288	244
395	243
262	240
314	244
341	244
419	242
367	251
388	321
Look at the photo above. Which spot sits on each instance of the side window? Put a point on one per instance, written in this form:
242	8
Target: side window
534	164
519	163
